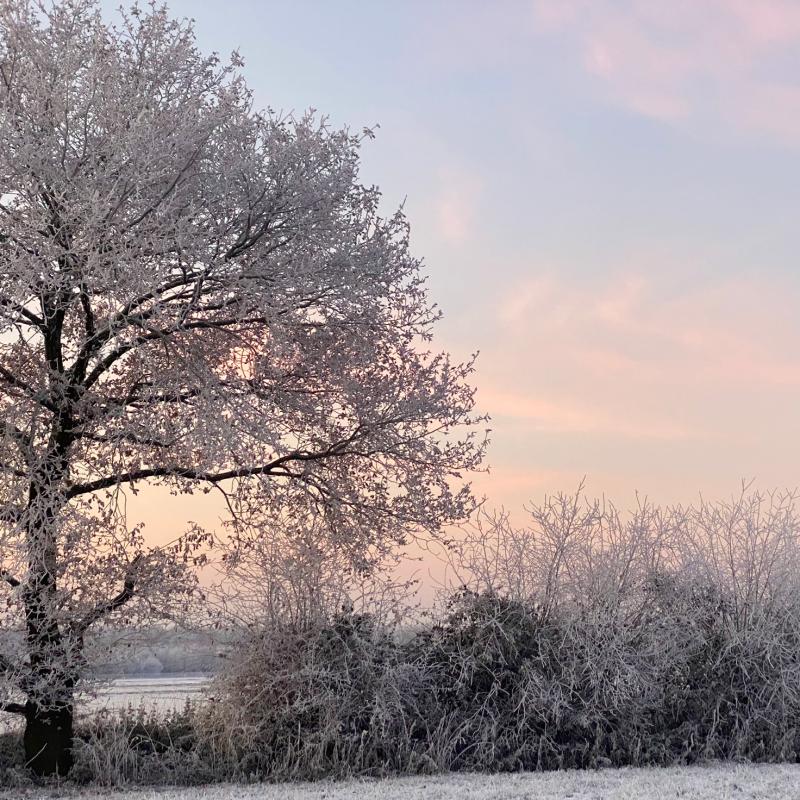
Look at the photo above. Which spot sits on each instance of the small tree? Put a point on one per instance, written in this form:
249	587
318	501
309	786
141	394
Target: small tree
199	295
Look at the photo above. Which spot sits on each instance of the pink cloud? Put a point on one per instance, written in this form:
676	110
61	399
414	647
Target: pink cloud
656	378
555	15
768	22
566	415
682	61
734	331
513	487
456	204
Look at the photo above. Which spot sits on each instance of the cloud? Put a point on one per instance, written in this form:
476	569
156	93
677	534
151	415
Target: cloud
514	487
456	204
666	330
687	60
668	380
565	415
767	22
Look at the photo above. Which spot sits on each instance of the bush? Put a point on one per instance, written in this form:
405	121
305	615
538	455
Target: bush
302	703
495	685
589	639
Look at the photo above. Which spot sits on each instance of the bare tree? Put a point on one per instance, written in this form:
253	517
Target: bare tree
199	295
296	574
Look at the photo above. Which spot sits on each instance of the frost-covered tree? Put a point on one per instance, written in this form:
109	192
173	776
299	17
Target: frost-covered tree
198	295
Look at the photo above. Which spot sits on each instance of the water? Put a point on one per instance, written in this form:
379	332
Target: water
152	692
162	692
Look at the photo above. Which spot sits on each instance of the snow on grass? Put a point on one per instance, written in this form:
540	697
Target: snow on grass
713	782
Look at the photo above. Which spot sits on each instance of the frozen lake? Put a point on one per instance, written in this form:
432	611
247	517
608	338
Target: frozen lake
164	691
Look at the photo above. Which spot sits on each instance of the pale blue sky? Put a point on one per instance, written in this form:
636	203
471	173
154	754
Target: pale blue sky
606	195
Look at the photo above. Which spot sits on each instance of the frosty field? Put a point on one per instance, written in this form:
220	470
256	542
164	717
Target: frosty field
714	782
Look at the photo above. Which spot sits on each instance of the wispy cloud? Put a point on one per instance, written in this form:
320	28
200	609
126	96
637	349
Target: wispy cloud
566	415
688	60
457	204
730	331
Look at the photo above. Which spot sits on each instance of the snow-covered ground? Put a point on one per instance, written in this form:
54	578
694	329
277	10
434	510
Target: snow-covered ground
714	782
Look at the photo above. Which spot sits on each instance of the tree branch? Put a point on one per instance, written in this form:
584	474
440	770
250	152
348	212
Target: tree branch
274	467
5	664
154	206
10	513
125	317
161	334
88	314
9	579
19	436
37	397
9	470
103	609
126	437
32	319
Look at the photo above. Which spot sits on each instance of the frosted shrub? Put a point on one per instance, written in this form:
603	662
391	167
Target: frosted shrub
677	630
303	703
592	637
139	746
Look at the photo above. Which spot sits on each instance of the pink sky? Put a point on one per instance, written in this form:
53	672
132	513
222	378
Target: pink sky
606	194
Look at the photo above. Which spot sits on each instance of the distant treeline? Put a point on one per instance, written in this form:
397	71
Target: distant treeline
156	651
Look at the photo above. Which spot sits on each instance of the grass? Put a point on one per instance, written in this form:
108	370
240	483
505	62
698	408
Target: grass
718	781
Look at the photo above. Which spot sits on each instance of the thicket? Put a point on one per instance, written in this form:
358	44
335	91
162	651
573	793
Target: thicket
587	638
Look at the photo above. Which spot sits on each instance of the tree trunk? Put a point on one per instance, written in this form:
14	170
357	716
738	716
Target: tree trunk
49	710
48	738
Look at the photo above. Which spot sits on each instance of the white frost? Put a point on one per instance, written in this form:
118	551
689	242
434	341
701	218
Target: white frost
714	782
